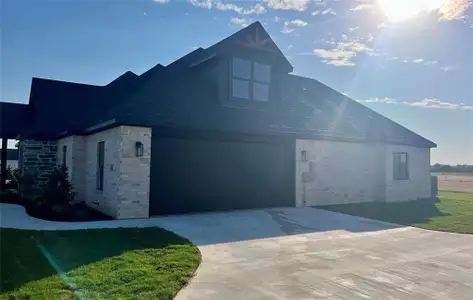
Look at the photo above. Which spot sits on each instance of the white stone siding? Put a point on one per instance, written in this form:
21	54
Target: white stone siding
105	200
341	173
125	191
134	176
75	159
357	172
418	185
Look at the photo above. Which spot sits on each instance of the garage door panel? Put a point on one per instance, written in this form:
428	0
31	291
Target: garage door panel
193	175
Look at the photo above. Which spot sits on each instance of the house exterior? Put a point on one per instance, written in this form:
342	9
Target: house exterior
226	127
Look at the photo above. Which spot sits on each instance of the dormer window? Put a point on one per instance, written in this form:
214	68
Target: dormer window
250	80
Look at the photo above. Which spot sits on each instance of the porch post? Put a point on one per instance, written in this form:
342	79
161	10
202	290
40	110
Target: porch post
4	162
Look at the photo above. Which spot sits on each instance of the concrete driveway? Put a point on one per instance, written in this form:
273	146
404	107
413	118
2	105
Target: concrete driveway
308	253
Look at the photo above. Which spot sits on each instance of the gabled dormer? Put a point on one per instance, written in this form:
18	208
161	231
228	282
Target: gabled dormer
250	68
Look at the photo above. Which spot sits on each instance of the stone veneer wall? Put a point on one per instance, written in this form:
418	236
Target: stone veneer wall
419	184
358	172
134	174
339	173
126	177
74	162
37	159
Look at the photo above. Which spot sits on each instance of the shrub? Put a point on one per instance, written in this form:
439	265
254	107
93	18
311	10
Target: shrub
59	191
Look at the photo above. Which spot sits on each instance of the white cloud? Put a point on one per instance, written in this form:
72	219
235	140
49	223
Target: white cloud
329	11
257	9
418	61
299	5
447	9
202	3
316	13
242	22
354	46
362	6
426	103
448	68
437	103
289	25
353	29
336	57
379	100
161	1
454	9
297	22
342	54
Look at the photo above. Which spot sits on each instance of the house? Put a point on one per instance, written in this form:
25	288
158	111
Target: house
226	127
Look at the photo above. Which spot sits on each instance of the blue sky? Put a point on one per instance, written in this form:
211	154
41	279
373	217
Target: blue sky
416	71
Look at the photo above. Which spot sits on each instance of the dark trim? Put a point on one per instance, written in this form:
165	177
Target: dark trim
3	161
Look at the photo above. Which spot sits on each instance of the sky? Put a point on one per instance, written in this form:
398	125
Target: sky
410	60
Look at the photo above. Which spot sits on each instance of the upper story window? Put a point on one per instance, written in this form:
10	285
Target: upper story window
250	80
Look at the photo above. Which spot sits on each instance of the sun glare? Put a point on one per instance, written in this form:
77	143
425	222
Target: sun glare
400	10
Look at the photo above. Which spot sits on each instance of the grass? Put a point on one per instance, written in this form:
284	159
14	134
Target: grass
452	212
124	263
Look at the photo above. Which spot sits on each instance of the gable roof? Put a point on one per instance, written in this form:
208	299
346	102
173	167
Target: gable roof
184	95
253	37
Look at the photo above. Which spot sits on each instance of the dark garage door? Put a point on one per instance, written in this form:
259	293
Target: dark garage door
195	175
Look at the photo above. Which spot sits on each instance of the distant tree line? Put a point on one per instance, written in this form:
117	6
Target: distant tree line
438	168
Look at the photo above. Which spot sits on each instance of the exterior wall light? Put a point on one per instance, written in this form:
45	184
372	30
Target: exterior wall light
139	149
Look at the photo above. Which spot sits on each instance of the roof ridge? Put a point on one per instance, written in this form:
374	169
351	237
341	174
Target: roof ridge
63	81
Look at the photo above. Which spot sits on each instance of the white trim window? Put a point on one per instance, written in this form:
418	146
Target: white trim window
400	166
250	80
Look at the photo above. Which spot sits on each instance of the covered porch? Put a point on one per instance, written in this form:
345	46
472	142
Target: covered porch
13	120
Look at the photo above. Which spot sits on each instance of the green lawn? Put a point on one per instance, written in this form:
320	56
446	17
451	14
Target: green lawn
124	263
452	212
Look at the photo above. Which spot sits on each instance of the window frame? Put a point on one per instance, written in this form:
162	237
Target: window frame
251	81
400	169
100	165
64	155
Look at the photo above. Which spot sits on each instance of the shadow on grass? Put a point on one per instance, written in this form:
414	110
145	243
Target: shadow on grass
27	255
404	213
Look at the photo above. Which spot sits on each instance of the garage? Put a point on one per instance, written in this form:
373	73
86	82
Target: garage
209	173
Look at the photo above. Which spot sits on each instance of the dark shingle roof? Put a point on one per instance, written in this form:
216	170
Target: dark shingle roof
12	119
185	95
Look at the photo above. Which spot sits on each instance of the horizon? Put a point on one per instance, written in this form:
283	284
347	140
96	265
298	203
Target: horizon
415	72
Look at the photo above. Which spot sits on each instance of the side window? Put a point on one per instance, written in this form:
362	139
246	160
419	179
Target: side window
100	164
64	155
401	166
250	80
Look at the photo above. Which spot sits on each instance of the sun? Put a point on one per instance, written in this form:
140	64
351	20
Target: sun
400	10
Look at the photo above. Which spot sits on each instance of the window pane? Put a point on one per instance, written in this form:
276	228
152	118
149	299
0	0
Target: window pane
241	89
403	157
100	164
260	91
261	72
241	68
64	155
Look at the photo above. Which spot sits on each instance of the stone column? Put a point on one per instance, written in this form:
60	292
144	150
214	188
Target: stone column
36	161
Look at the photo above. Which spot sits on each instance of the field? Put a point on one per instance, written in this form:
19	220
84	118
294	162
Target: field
455	182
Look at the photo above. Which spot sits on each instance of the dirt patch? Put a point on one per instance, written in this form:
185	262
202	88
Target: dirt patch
455	182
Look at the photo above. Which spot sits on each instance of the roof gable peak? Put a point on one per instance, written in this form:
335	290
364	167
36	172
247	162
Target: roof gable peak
252	38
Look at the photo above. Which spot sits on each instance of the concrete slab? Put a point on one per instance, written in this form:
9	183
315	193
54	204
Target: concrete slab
305	253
